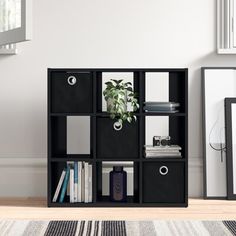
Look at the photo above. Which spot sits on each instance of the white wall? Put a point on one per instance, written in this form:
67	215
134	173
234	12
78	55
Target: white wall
98	33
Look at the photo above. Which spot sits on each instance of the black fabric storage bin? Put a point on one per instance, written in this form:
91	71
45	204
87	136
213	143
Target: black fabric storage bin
114	144
163	182
67	97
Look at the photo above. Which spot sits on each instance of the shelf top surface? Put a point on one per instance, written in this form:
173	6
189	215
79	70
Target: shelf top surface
107	114
121	69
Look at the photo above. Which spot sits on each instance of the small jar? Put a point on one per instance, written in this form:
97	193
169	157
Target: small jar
118	184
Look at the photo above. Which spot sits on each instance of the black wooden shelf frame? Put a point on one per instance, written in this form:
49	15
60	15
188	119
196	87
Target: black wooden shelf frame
150	189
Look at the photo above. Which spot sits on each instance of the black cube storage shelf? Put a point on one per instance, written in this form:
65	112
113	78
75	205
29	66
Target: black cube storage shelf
151	189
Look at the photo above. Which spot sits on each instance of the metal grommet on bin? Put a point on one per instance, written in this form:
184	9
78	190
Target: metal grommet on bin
117	126
71	80
163	170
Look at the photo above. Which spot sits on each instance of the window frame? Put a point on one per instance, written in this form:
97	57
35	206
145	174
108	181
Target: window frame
23	33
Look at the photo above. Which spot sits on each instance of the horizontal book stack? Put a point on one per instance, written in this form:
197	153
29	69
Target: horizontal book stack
76	182
159	107
162	151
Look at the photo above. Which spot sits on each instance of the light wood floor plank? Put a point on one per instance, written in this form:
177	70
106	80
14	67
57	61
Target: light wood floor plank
35	208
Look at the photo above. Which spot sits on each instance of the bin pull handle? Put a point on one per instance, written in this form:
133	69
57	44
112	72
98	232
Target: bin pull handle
163	170
71	80
117	126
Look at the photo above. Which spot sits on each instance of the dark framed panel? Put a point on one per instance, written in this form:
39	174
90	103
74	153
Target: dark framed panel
230	117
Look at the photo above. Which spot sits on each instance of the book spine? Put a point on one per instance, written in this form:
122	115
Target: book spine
71	185
79	181
86	182
76	182
90	183
59	186
70	163
82	183
162	155
64	186
68	190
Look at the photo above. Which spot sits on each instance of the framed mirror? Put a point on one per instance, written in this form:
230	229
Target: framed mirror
218	83
230	117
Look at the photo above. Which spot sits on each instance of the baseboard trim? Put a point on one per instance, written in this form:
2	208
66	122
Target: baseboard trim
23	162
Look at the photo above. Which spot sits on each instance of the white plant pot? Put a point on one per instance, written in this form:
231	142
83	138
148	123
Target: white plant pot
110	101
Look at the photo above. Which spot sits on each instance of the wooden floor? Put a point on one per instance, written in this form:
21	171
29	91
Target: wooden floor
35	208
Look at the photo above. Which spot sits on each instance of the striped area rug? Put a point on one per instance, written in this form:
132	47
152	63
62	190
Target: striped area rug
117	228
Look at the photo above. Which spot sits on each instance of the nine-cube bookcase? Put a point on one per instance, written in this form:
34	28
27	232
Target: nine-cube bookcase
150	188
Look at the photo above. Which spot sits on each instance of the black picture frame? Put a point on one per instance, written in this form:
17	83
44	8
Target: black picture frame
231	194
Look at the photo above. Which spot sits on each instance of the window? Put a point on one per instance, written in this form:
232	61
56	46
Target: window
226	26
15	22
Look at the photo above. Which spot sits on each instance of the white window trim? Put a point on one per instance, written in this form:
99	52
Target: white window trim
9	49
226	27
23	33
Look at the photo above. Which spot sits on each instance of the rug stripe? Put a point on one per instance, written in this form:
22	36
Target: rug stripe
81	228
61	228
231	225
117	228
97	228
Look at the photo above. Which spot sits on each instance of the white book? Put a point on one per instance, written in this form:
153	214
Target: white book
72	185
90	183
162	151
162	148
163	155
86	188
79	181
59	186
75	192
82	183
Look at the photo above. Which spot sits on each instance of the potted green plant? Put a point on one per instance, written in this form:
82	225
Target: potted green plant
117	95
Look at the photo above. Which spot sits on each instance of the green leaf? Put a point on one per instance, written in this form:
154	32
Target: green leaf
129	89
129	119
117	81
120	121
109	83
113	116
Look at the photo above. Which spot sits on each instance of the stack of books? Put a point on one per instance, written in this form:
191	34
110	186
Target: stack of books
162	151
168	107
76	182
